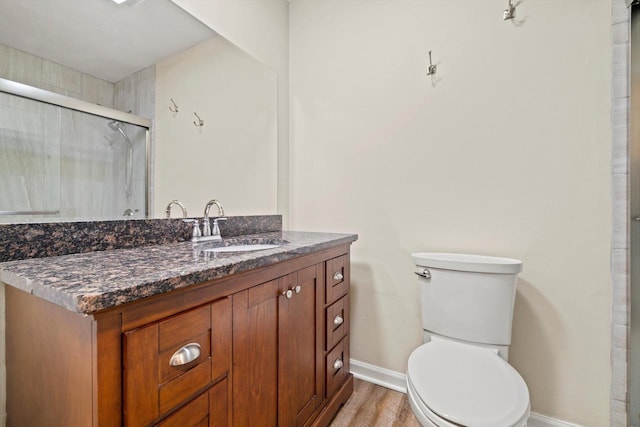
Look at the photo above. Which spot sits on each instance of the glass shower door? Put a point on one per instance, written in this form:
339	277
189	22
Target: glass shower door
26	161
60	164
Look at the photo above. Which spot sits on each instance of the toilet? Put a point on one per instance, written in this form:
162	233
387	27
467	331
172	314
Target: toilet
460	375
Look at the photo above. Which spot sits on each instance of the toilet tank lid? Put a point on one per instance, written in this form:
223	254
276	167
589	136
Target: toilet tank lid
467	262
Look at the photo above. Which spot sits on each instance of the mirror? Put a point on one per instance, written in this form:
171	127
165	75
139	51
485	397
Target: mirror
150	58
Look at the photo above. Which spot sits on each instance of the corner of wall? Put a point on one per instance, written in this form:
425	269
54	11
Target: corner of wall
620	30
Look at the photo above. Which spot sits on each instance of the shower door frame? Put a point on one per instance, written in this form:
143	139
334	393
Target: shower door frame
29	92
633	388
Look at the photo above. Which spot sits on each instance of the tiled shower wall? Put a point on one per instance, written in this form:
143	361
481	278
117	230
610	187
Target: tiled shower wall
22	67
620	238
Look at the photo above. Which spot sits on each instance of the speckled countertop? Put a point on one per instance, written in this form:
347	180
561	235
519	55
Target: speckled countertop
91	282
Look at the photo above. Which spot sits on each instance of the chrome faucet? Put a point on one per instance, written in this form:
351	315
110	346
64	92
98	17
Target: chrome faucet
208	207
208	232
167	210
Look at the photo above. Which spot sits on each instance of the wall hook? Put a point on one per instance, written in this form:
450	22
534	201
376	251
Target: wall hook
173	109
432	68
509	12
198	123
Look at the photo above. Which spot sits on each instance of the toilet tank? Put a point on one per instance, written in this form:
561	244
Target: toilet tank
467	297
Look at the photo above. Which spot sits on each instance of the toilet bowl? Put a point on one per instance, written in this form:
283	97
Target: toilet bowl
452	384
461	376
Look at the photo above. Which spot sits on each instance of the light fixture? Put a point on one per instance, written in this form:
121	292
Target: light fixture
119	1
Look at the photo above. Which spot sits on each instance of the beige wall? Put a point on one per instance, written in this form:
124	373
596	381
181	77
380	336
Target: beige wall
505	152
260	28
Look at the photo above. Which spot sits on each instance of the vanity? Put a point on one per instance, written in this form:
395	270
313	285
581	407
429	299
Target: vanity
177	334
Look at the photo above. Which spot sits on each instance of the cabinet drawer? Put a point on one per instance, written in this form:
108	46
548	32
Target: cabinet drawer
337	321
337	278
177	390
207	410
194	414
337	366
190	331
173	359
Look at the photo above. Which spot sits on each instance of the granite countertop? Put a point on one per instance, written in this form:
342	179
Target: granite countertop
90	282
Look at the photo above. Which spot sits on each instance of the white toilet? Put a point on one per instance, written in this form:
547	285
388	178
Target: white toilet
460	376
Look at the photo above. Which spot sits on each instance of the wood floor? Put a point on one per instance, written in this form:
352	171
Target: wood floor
372	405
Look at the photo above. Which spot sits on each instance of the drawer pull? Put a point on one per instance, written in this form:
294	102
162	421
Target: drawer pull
185	354
298	288
338	276
338	364
338	320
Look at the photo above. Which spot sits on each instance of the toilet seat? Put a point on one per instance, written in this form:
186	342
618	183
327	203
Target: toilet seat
461	384
423	414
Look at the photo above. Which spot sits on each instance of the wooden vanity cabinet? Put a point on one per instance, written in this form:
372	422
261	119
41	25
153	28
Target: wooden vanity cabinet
271	352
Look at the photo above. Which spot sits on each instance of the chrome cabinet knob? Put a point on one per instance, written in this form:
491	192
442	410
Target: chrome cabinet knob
338	364
338	276
185	354
288	293
338	320
298	288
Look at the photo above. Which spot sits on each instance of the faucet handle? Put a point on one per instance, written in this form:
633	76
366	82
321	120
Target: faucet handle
216	230
196	227
206	227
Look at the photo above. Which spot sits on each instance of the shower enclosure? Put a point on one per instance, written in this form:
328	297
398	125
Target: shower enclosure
62	159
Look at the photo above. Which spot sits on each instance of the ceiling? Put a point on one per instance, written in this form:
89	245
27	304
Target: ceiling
100	37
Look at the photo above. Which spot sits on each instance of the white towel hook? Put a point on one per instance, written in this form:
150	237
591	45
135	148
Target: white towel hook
509	12
173	109
198	123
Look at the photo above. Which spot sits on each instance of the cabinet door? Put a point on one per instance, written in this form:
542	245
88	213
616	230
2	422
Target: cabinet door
300	368
255	356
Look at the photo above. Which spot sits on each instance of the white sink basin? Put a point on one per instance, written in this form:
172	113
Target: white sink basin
241	248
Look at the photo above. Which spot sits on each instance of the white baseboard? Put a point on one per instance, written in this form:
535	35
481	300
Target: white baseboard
539	420
396	381
380	376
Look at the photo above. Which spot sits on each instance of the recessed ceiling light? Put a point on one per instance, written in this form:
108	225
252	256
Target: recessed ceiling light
119	1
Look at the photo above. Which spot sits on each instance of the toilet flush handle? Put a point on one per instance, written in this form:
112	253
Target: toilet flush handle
425	273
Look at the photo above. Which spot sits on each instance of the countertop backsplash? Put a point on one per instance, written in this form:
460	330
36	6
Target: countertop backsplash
24	241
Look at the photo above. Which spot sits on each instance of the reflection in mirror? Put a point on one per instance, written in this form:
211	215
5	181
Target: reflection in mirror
61	164
135	57
232	157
